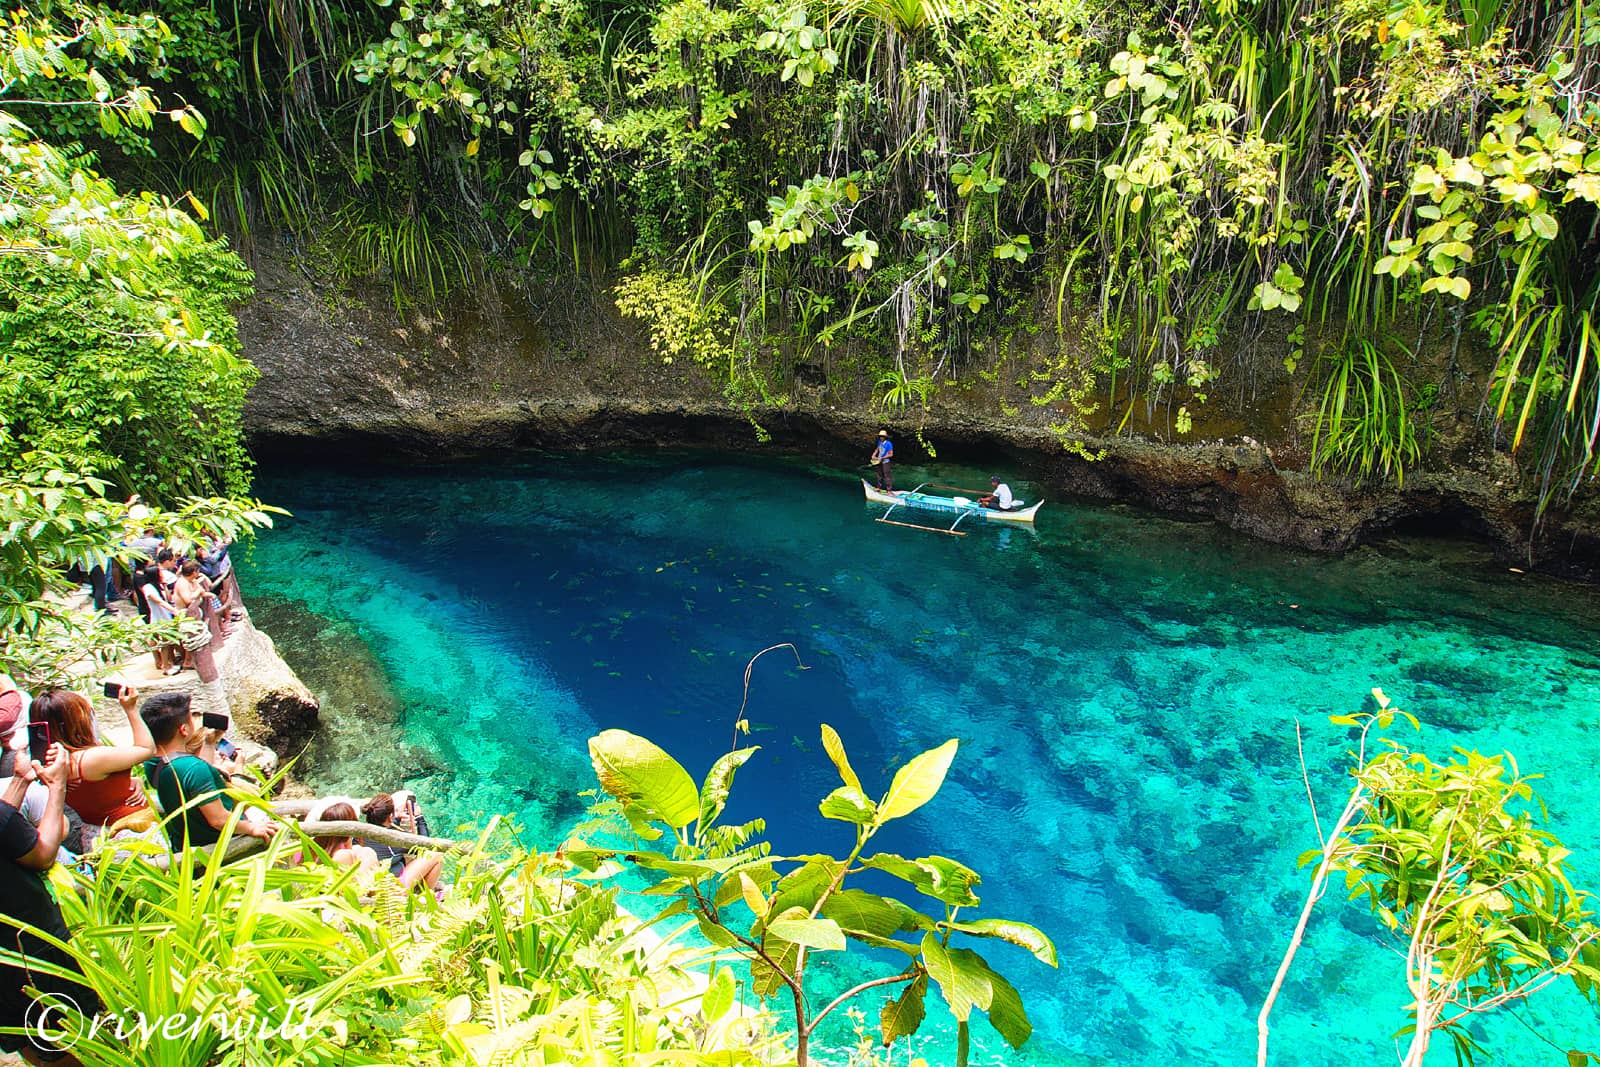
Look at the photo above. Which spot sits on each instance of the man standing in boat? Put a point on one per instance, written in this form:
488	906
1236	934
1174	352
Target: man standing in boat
880	458
999	495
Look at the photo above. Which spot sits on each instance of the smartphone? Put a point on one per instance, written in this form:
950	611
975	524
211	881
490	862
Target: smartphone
38	740
226	749
113	689
214	720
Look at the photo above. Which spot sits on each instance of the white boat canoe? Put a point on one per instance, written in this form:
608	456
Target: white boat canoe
959	506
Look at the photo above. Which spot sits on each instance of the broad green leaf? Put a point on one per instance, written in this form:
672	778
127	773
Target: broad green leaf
848	804
917	782
856	910
641	775
962	977
902	1016
804	886
1006	1013
764	979
812	933
874	941
717	935
718	997
1018	933
753	897
935	876
719	780
693	870
835	749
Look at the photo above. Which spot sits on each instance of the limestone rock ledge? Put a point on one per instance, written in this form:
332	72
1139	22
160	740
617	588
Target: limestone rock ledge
342	374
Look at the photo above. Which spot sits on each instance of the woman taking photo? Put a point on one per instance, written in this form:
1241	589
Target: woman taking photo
399	812
99	785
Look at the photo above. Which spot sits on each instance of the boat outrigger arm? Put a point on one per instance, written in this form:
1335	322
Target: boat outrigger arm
962	507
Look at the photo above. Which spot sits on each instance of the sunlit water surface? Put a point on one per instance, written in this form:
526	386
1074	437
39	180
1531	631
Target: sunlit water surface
1125	689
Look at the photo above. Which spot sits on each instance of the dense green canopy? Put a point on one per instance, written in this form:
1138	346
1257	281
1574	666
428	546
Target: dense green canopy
1334	200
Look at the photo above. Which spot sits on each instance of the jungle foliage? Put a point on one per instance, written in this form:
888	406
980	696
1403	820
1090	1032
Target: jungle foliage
313	963
775	912
902	188
119	366
118	348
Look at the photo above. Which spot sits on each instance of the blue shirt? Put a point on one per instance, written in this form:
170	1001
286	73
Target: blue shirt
885	450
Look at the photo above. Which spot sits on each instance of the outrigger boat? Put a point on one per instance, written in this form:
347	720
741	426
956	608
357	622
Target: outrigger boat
961	507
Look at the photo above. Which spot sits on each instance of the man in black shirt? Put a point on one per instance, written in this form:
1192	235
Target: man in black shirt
25	855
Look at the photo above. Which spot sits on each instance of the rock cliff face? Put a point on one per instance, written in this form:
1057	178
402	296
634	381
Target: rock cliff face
347	377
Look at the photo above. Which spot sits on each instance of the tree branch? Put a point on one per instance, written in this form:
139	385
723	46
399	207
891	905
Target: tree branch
1353	805
851	992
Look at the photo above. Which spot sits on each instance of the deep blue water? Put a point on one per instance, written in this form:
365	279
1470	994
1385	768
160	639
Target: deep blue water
1125	689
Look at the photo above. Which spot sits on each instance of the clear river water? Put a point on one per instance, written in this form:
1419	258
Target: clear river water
1125	689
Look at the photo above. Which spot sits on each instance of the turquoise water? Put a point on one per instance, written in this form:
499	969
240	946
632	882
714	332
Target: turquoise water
1125	689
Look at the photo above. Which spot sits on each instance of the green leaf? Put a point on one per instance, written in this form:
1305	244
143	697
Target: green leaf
917	782
1006	1013
962	978
848	804
717	935
804	886
902	1016
765	980
858	911
832	744
753	896
812	933
644	777
1018	933
714	792
718	997
935	876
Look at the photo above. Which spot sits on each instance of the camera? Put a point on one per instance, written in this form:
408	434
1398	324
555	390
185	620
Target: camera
38	740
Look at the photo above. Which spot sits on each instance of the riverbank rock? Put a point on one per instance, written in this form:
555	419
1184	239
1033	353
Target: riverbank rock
274	714
268	702
342	371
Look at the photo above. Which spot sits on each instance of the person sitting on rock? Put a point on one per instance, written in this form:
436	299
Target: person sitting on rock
100	787
399	812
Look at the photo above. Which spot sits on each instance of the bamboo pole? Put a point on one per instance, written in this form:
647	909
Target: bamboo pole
930	529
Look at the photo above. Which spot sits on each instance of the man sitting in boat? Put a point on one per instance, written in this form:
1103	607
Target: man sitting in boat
999	497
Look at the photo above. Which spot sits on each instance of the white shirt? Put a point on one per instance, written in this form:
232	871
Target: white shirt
1002	496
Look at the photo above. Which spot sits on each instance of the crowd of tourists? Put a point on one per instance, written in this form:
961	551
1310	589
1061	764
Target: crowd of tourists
66	790
172	581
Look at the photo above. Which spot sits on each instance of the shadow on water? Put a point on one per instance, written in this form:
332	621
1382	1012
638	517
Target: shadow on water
1125	689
